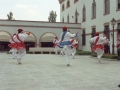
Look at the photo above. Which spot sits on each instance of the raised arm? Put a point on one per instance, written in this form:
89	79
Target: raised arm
72	35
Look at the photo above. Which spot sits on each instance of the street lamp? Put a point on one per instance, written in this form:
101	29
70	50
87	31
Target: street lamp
113	22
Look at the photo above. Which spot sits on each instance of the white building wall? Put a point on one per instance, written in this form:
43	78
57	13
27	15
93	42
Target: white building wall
98	21
38	28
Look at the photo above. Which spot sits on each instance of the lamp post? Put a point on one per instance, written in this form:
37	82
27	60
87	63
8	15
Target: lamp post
113	22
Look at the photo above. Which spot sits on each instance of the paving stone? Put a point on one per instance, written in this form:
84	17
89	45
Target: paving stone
50	72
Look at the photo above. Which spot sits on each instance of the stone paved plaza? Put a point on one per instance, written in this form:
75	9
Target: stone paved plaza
50	72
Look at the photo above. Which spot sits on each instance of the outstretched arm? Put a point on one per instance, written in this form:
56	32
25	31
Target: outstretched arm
26	34
72	35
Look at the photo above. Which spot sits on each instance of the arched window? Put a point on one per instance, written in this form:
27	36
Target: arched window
118	27
75	1
93	32
118	4
83	37
107	6
68	4
63	19
93	9
68	18
84	14
107	31
63	7
76	16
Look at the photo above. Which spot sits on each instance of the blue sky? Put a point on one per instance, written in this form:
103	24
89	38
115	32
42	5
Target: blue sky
35	10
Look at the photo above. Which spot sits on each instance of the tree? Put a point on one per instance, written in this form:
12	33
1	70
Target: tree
52	16
10	16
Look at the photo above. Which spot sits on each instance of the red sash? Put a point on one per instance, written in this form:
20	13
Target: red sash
96	40
54	41
55	44
18	38
72	41
13	39
97	46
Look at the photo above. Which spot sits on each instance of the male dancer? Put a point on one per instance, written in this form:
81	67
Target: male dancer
74	46
118	45
98	45
106	45
19	44
65	43
55	42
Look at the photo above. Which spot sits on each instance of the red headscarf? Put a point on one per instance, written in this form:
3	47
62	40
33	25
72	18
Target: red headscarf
64	28
20	30
97	34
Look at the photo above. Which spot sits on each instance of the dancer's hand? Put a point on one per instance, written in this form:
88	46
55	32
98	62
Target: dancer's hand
28	33
76	32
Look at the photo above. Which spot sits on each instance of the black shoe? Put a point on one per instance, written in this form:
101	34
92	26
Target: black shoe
118	59
68	64
119	85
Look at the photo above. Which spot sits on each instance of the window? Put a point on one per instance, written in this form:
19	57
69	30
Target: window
76	16
93	32
93	9
68	18
84	14
68	4
83	38
63	19
63	8
107	6
118	4
106	31
75	1
118	27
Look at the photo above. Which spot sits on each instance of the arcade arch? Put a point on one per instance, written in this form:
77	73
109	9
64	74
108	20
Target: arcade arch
46	40
30	41
4	40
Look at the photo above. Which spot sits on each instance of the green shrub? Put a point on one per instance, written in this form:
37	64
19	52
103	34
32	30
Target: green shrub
28	52
79	52
106	56
110	56
94	55
9	52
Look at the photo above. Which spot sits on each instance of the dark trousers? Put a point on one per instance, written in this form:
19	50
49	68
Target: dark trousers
118	54
106	49
93	52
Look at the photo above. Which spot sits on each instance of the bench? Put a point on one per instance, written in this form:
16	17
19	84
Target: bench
42	49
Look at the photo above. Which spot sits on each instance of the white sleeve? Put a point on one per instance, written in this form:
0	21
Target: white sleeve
103	38
71	35
91	40
24	35
57	41
76	42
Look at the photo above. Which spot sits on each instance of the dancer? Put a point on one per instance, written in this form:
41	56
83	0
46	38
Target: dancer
106	45
74	46
66	44
118	46
13	50
55	42
98	45
19	44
